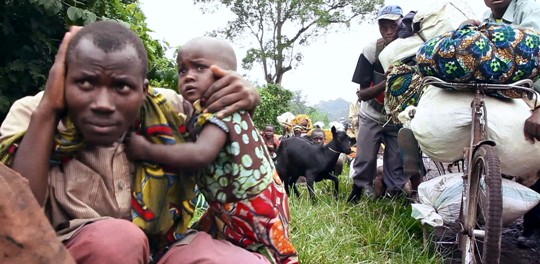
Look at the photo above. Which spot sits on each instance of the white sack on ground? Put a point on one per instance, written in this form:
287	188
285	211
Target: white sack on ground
444	193
442	127
426	215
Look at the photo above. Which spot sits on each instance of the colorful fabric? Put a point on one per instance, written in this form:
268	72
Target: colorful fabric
403	88
161	203
248	206
9	146
490	53
250	223
302	118
243	168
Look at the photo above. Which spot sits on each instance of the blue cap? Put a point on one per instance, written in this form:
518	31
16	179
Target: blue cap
390	12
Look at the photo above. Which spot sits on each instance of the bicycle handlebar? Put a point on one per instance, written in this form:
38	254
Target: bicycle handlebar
524	85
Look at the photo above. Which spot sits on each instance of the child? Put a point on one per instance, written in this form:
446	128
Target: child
247	202
271	140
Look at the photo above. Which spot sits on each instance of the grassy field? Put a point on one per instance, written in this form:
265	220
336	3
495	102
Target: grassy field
372	231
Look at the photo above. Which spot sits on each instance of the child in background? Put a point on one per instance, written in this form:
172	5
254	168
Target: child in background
271	140
236	174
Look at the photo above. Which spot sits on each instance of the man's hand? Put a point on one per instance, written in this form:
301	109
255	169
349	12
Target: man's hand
229	93
53	99
472	22
532	126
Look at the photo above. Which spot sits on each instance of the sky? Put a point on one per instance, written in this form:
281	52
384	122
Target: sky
328	63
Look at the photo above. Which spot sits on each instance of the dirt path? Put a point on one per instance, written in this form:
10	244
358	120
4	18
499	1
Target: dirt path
510	252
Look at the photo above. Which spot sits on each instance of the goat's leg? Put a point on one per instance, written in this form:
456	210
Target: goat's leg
310	179
336	184
295	189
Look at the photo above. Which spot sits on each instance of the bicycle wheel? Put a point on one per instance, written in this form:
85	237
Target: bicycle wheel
481	209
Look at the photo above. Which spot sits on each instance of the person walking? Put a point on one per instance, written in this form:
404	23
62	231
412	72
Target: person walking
374	125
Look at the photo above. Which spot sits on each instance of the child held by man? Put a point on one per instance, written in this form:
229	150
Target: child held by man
234	170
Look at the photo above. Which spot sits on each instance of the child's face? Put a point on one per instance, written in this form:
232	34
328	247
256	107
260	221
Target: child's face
269	132
194	74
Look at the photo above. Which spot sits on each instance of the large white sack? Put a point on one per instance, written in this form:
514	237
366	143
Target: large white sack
399	49
444	195
442	127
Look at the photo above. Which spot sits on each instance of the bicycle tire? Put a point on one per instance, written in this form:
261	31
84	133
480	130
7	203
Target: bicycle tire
481	209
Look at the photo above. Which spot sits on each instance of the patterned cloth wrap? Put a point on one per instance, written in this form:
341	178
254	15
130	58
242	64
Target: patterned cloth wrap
489	53
303	118
403	88
161	200
248	203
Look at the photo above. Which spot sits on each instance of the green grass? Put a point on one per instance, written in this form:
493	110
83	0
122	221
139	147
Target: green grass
372	231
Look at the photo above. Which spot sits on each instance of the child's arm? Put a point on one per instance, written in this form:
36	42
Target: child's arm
183	155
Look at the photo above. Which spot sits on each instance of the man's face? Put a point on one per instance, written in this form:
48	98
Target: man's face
497	4
318	137
389	29
104	91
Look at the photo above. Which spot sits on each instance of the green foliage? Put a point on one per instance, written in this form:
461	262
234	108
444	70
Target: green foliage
298	105
278	27
31	31
274	102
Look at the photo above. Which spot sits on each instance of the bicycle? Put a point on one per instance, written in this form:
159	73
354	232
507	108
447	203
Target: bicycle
480	218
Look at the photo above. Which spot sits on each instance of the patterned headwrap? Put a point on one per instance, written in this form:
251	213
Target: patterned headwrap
161	199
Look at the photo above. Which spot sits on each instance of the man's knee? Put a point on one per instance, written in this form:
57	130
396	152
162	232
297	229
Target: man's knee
204	249
110	241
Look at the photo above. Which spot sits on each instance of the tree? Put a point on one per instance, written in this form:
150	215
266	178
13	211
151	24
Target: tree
31	31
274	101
298	103
278	27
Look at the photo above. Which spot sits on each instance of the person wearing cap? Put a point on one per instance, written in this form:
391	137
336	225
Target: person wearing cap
374	125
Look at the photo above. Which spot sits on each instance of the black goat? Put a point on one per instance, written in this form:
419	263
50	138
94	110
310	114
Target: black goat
297	157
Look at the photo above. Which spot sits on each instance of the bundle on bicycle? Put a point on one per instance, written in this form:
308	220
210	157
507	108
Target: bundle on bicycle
472	91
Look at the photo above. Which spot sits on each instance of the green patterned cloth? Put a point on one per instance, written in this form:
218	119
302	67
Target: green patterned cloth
490	53
403	88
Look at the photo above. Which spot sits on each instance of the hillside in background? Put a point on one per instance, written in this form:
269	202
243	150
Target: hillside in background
336	108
